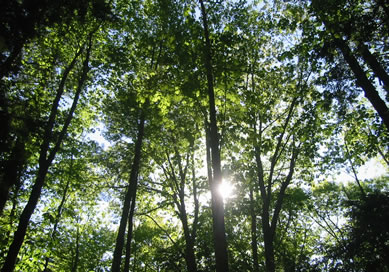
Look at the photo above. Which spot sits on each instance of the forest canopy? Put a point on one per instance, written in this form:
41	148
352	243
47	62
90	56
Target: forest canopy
176	135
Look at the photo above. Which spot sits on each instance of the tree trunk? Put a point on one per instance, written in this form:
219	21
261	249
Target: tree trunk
219	234
195	200
254	242
265	197
269	250
77	253
45	161
178	188
370	92
25	218
11	165
269	219
117	255
190	258
373	63
269	226
268	236
362	80
129	231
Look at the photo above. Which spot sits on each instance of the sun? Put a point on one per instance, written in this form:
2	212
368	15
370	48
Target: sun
226	189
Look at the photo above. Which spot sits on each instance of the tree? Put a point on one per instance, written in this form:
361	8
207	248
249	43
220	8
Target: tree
357	26
25	23
130	197
46	155
356	244
215	179
178	167
265	95
369	230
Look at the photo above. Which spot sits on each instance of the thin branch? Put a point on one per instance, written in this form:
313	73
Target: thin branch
163	205
161	228
173	174
195	199
353	169
279	143
80	87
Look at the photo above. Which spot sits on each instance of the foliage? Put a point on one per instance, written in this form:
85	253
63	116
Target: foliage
291	82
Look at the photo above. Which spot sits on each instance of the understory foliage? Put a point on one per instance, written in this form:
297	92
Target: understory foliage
122	119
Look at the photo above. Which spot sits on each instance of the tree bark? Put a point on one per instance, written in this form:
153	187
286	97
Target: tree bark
190	258
195	200
370	92
178	187
189	239
45	159
10	169
268	237
373	63
269	218
129	232
219	234
362	80
77	253
254	240
117	255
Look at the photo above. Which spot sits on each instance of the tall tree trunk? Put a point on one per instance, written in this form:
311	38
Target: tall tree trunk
362	80
190	258
45	159
9	172
195	200
219	233
269	252
370	92
265	197
135	259
25	218
77	251
254	240
189	237
373	63
268	236
269	218
129	231
178	188
117	255
269	225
